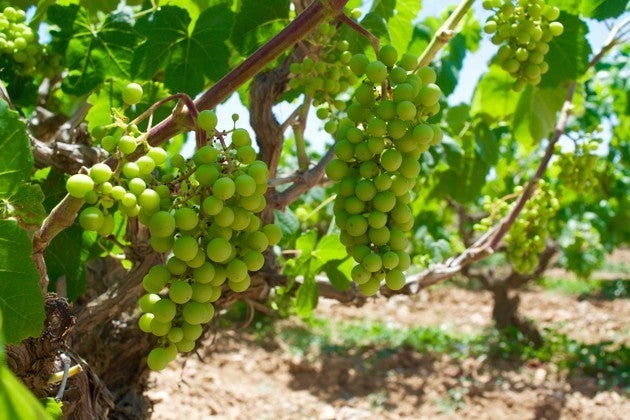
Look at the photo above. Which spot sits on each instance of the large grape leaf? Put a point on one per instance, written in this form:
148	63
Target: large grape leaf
399	16
256	22
21	301
306	297
535	114
494	99
92	52
187	59
16	158
568	54
596	9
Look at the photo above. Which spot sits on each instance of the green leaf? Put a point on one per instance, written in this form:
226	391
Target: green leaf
27	205
66	257
92	53
306	244
186	59
53	408
306	297
568	54
596	9
400	23
257	21
21	301
535	114
603	9
457	117
16	158
338	273
494	100
16	401
329	248
466	172
289	225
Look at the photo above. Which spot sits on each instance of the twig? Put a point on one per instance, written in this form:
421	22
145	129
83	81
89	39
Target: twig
307	181
444	34
376	44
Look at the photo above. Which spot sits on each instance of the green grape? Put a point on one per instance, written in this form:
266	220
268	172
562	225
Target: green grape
100	173
91	218
194	313
164	310
236	270
180	291
240	286
158	359
132	94
127	145
79	184
224	188
219	250
186	218
145	165
376	72
162	224
149	201
158	155
144	322
207	120
395	279
185	248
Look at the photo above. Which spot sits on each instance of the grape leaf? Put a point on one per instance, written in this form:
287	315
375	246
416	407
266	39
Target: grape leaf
338	273
535	114
399	20
21	301
494	99
603	9
306	297
329	248
187	59
16	400
66	257
26	205
16	158
256	22
568	54
289	225
92	53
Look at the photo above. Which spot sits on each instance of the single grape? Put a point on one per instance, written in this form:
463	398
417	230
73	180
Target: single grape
132	94
79	184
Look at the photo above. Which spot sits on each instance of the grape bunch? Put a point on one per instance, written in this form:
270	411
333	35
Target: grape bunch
324	73
576	170
525	30
203	216
19	46
527	237
377	147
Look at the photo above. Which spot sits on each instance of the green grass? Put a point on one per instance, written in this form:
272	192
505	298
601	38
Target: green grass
320	337
606	289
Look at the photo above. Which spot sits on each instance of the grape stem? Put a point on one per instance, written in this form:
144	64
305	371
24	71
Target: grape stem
376	44
317	12
444	34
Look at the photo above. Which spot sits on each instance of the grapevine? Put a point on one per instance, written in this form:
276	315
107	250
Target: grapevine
324	73
19	46
203	215
576	169
527	237
525	30
377	147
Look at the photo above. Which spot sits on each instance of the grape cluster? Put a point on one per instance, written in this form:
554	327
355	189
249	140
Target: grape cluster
377	147
576	170
527	237
525	30
19	45
324	73
203	215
